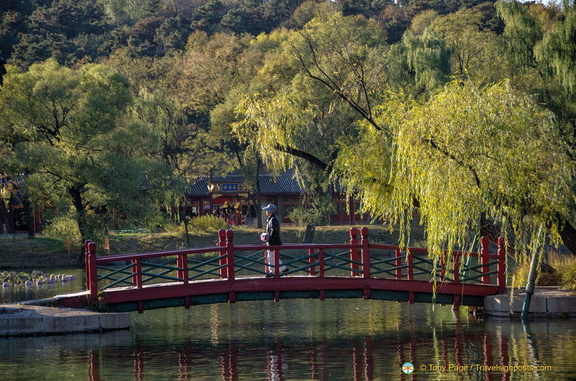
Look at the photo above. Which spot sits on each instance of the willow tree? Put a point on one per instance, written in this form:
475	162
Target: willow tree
540	41
475	50
467	153
308	94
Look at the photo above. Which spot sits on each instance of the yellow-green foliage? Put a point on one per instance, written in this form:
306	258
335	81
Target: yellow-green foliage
207	224
64	228
465	153
568	276
566	267
564	277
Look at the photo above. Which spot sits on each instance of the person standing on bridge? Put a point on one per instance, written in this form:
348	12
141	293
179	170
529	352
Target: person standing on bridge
272	237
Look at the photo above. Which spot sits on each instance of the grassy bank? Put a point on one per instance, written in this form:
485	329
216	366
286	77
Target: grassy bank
23	253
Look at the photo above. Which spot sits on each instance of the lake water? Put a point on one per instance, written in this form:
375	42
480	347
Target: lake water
347	339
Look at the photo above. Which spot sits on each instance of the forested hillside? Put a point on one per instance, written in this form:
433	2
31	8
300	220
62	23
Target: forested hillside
461	110
81	31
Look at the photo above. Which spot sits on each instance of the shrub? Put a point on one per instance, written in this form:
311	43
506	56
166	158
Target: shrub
207	224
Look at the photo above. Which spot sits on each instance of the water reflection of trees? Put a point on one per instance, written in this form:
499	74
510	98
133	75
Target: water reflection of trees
334	340
367	358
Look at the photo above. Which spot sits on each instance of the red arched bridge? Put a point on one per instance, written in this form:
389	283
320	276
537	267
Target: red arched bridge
231	273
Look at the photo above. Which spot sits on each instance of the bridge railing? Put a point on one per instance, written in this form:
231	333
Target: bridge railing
358	258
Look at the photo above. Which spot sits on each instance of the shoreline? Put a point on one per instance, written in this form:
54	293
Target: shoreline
548	302
19	320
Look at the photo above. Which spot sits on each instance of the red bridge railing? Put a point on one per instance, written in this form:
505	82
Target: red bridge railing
355	264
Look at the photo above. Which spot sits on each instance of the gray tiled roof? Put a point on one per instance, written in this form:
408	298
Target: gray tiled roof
269	184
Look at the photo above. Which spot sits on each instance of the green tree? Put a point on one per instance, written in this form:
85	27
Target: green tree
475	52
66	30
128	11
183	148
233	83
63	130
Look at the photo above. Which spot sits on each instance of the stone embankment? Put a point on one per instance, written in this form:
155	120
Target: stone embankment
546	302
32	320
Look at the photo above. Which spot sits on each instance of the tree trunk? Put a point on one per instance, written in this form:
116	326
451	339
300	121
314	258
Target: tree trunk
6	216
76	194
29	216
184	219
309	233
568	235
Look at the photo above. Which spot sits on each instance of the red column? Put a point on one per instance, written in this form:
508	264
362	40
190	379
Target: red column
484	258
230	254
223	261
501	264
354	256
351	210
137	271
321	262
410	260
311	260
456	267
365	253
91	269
182	264
398	263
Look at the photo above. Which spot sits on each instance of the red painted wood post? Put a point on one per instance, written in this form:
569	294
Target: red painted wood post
91	269
321	263
311	260
501	263
456	278
410	260
137	271
456	302
442	269
354	256
223	262
230	254
484	258
398	263
182	264
276	263
365	253
456	267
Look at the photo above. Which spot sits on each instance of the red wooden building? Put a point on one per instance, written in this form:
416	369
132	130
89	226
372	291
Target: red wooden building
225	196
229	197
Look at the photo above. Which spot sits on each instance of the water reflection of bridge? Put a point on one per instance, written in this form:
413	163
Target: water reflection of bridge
366	358
230	273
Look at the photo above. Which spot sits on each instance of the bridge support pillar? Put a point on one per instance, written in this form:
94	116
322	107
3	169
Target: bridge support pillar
456	303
